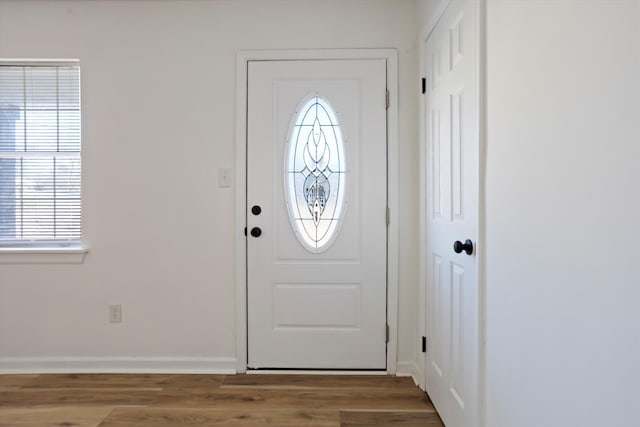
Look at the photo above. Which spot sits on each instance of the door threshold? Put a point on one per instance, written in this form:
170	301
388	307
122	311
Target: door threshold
313	372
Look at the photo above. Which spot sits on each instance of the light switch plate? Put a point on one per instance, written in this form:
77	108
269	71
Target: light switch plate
224	177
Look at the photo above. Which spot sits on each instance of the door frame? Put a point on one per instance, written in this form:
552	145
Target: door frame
242	62
480	244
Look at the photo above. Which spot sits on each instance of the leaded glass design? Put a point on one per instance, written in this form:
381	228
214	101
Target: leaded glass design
315	174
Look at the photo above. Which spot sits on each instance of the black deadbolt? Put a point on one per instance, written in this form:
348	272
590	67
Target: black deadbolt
256	210
256	232
467	246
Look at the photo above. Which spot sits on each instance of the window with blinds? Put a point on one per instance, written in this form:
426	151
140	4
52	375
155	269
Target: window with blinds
40	174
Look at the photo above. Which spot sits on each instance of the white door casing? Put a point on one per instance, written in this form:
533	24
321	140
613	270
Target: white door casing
310	310
451	214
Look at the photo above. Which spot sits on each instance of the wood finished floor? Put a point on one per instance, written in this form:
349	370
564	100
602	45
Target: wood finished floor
113	400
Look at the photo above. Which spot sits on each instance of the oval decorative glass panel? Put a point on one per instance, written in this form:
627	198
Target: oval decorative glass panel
315	174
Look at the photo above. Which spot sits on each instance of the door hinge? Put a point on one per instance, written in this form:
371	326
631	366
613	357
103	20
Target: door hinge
388	214
386	98
424	85
386	332
424	344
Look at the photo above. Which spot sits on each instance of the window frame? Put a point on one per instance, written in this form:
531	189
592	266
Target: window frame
294	146
48	251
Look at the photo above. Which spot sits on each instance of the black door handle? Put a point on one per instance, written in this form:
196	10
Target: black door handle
256	210
256	232
467	246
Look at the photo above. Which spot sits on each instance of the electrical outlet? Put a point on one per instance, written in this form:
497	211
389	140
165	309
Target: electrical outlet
115	313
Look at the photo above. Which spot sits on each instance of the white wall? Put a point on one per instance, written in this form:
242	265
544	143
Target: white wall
158	81
563	266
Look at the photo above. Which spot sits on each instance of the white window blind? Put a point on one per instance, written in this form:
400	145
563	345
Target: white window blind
40	174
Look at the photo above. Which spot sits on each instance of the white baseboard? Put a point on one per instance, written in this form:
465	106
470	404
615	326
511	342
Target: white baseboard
408	369
314	372
125	365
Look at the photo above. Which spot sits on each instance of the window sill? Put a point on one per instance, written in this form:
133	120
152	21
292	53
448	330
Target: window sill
43	255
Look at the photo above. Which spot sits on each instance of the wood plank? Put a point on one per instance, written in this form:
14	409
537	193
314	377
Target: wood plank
50	417
331	398
247	416
424	418
10	382
93	381
72	397
193	382
317	381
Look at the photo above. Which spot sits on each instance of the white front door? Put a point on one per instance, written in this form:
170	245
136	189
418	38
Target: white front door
316	214
452	214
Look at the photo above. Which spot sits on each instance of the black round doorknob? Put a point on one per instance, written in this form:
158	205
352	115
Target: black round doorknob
467	246
256	210
256	232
